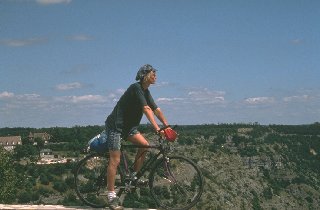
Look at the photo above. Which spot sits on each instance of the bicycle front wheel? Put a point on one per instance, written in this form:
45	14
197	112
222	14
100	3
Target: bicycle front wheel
176	183
91	181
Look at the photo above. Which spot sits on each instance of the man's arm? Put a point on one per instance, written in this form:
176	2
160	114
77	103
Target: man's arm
149	114
160	116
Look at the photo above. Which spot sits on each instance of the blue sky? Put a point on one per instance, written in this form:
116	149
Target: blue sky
67	62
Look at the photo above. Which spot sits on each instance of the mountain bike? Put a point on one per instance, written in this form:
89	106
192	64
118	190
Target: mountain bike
175	182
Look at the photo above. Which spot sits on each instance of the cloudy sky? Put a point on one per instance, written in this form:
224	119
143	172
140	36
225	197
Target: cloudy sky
67	62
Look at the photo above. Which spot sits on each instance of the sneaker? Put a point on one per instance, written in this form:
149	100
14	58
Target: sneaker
114	204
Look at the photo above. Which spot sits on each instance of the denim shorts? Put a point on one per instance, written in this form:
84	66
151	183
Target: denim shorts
133	131
114	138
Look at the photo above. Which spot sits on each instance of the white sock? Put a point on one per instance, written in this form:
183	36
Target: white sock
111	195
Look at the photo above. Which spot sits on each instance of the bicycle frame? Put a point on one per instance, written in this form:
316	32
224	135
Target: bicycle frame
148	163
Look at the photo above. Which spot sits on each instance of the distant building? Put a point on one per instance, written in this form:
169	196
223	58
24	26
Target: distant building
46	154
10	142
244	130
44	136
48	157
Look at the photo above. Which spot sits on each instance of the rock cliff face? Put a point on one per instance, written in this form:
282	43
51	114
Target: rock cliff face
269	169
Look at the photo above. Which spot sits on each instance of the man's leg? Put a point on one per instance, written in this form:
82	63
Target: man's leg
139	139
112	168
114	144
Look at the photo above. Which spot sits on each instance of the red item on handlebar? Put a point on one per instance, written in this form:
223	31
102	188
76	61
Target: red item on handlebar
170	134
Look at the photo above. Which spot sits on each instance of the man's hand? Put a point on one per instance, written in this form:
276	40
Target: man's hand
161	132
170	134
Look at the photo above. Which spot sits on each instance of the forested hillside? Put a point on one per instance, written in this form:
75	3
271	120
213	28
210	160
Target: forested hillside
246	166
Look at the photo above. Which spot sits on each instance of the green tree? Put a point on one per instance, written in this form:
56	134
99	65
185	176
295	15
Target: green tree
40	142
256	202
8	178
26	151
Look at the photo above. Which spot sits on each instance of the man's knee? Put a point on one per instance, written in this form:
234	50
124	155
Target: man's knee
146	143
138	139
114	159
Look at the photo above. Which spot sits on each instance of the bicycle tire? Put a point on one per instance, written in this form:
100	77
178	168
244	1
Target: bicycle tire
176	183
91	182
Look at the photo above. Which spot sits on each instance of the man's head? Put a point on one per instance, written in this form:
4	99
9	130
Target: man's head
143	71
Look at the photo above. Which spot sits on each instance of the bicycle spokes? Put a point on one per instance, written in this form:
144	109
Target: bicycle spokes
177	184
90	180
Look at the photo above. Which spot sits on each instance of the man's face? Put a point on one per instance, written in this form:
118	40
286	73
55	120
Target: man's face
152	77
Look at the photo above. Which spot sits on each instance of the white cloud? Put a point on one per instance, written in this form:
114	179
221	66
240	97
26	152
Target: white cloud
22	42
69	86
36	110
297	98
259	100
22	103
296	41
28	97
206	96
161	84
80	37
170	100
6	94
197	97
82	99
19	98
120	91
47	2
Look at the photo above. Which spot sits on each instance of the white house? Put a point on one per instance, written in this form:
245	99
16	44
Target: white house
10	142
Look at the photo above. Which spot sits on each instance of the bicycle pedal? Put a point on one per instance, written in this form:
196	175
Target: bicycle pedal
142	183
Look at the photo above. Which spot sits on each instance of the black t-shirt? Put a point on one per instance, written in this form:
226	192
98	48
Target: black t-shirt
129	109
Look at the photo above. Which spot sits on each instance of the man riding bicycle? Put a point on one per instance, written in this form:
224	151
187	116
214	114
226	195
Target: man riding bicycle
123	121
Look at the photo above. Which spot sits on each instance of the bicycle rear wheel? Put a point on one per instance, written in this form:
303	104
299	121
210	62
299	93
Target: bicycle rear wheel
176	183
90	178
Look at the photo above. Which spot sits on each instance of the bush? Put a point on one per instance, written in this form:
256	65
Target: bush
70	200
44	191
24	197
70	182
35	196
267	193
60	186
44	179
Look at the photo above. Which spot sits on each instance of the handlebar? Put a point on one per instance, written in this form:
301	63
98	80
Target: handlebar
165	127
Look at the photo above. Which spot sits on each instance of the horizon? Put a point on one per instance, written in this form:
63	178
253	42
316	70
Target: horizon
213	124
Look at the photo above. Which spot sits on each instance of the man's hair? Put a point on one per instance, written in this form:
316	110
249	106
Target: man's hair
143	71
